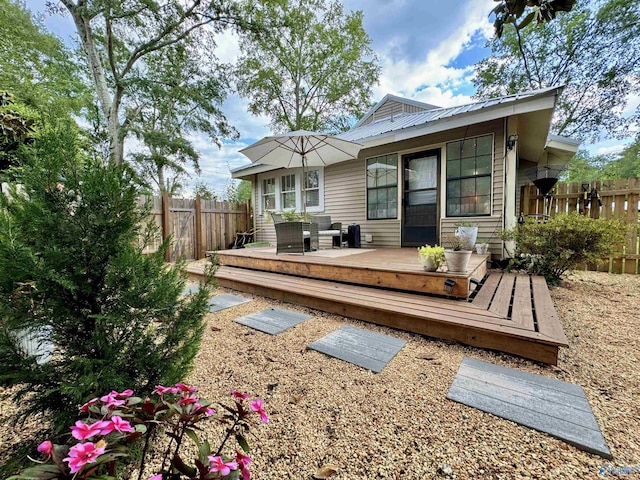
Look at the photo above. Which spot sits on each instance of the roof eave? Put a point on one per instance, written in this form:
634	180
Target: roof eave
527	105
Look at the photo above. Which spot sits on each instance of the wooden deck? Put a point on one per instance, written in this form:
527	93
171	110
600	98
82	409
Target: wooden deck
510	313
393	268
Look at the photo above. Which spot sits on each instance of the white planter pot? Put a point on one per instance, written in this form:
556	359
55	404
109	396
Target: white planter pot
482	248
457	260
470	234
428	264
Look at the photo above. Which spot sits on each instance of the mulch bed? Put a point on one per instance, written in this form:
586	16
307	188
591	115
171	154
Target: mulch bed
398	424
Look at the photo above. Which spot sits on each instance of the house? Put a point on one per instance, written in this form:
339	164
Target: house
423	169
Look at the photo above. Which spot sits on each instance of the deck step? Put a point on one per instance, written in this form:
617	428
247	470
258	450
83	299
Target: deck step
441	318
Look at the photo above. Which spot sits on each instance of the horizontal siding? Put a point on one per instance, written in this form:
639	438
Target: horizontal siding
345	189
264	224
345	200
488	230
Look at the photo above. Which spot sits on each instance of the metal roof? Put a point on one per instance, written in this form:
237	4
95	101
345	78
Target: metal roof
401	122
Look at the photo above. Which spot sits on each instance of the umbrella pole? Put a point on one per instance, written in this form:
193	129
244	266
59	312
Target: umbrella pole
304	191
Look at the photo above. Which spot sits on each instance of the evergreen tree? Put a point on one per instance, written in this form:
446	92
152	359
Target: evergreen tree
72	273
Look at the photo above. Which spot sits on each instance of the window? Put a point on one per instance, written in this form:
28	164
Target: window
469	176
288	192
283	190
269	194
312	187
382	187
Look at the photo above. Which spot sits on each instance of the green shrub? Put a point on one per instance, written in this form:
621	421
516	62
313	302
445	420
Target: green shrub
72	270
565	242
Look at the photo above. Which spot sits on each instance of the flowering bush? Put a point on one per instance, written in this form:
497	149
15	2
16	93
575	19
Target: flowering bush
116	419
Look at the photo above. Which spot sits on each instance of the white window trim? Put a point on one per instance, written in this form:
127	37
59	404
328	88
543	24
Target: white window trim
298	173
260	195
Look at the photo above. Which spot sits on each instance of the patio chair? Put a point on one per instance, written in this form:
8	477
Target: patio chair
329	229
296	237
277	217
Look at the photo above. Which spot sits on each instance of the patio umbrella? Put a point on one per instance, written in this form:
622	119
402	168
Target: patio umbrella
301	149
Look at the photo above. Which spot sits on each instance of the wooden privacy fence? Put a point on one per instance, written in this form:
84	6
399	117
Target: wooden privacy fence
598	199
196	225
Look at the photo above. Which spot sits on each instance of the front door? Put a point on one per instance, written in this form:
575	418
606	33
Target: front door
420	198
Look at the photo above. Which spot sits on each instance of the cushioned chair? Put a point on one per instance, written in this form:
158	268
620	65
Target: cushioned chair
328	229
296	237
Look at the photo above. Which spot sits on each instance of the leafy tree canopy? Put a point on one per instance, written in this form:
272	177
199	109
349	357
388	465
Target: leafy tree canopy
120	39
594	51
313	70
35	66
181	95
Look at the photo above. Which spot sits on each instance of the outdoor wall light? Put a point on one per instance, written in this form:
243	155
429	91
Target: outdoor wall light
448	285
511	141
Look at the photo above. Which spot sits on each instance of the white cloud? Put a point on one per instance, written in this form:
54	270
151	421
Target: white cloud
613	149
402	76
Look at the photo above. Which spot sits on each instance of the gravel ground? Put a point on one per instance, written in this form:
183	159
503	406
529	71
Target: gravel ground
397	424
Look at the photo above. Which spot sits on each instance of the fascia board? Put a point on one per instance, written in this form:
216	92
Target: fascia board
462	120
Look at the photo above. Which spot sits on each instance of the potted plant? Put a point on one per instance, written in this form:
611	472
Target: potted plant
469	231
482	246
431	257
457	252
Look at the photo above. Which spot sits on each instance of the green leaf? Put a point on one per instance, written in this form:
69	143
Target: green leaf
242	442
39	472
526	20
183	468
193	436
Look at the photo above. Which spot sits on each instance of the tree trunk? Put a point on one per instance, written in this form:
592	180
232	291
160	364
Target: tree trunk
108	105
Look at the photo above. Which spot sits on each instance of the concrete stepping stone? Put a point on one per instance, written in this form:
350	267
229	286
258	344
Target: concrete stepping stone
548	405
189	289
273	320
220	302
358	346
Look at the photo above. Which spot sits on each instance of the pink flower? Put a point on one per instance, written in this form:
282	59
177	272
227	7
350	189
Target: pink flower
243	462
219	465
197	407
239	397
257	406
85	407
126	393
112	399
190	400
184	388
116	423
160	390
83	453
83	431
156	477
46	447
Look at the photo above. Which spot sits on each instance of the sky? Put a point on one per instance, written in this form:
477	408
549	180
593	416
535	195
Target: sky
426	48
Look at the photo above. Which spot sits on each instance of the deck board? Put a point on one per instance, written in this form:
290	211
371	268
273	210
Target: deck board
522	311
441	318
510	313
388	268
502	299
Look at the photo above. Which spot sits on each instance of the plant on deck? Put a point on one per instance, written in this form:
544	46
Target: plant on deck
118	418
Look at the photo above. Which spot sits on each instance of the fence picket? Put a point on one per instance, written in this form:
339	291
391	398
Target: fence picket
196	226
619	200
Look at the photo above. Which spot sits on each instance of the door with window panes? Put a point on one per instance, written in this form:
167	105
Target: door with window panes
420	198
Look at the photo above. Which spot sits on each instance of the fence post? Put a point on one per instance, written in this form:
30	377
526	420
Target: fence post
631	262
198	227
166	225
